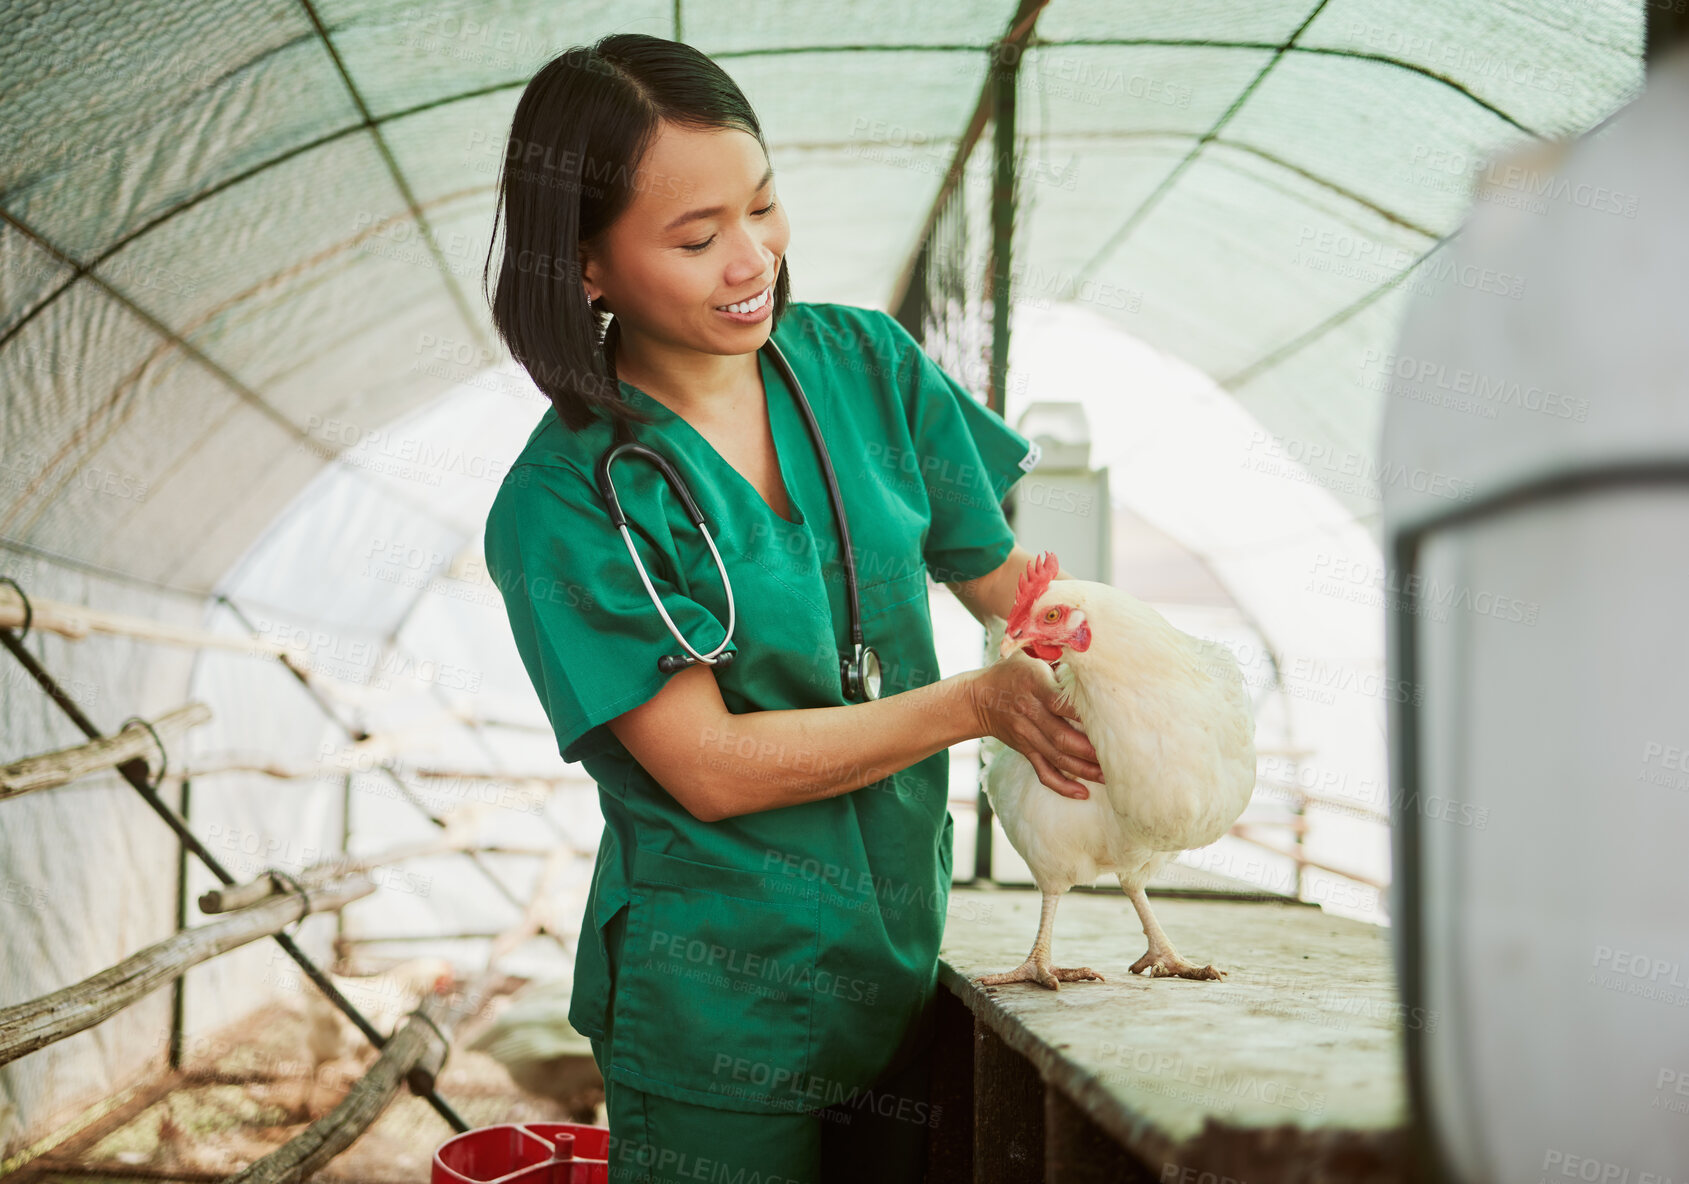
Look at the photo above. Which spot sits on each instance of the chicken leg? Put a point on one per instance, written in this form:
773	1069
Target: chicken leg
1037	968
1161	959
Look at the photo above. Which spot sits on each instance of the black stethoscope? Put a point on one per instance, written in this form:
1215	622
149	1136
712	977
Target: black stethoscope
859	669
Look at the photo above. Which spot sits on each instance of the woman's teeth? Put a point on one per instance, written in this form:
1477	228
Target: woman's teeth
748	305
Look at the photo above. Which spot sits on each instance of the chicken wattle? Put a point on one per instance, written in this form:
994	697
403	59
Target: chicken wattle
1174	732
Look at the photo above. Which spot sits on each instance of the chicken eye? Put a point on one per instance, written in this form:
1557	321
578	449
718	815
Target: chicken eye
1053	615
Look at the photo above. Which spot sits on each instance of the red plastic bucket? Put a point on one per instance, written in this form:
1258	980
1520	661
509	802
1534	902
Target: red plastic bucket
526	1153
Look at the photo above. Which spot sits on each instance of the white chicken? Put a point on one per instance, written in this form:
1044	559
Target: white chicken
532	1039
1174	732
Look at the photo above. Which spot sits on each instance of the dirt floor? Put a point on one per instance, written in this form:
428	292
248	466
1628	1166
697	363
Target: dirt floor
244	1092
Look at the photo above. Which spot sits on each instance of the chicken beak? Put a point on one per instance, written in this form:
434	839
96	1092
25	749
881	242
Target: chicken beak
1008	646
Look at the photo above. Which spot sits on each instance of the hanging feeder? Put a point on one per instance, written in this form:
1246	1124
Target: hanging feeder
525	1153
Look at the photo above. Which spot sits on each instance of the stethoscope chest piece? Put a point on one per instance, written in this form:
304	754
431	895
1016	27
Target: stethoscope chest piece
861	674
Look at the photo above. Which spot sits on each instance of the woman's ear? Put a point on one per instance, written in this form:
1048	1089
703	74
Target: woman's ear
588	268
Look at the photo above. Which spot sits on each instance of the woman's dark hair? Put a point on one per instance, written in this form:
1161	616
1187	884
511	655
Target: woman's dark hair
570	169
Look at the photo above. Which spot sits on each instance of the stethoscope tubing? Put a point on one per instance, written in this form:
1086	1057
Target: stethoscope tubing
618	517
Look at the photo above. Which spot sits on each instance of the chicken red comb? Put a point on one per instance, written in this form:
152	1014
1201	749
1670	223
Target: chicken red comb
1033	581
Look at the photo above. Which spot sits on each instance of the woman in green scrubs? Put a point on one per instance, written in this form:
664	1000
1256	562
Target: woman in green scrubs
757	965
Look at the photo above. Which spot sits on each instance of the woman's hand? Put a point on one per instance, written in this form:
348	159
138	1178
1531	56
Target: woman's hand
1015	700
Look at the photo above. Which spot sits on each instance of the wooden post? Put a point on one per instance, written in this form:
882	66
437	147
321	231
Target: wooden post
1076	1151
239	896
36	1023
52	769
1002	83
1008	1113
179	988
950	1148
415	1052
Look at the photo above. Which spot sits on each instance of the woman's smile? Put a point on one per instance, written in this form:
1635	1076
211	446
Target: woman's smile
749	312
693	268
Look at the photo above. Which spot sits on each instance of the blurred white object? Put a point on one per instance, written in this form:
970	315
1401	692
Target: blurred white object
532	1039
383	999
1540	714
1064	502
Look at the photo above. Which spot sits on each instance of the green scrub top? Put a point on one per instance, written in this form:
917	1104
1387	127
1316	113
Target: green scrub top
779	960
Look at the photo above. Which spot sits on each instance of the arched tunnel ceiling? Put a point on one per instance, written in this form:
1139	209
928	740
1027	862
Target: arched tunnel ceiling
233	234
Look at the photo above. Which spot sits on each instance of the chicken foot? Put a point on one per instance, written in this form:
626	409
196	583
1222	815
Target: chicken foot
1161	959
1037	968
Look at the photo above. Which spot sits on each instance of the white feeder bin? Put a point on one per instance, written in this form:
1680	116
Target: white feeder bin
1535	486
1063	504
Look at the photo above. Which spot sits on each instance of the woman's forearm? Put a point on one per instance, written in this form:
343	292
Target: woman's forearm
762	760
994	593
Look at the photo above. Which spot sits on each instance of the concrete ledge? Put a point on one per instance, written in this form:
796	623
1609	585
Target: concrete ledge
1288	1069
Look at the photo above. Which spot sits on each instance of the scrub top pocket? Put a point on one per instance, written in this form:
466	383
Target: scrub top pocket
716	984
885	595
892	611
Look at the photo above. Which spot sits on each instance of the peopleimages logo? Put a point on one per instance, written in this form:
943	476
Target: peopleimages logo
1317	462
1491	390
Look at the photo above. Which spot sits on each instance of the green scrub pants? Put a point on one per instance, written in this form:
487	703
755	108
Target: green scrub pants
658	1140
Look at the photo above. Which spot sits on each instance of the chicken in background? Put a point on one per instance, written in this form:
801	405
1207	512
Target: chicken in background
1174	732
383	999
532	1039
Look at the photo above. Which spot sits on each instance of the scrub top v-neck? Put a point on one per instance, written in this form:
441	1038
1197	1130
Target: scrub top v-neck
773	387
777	960
766	383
